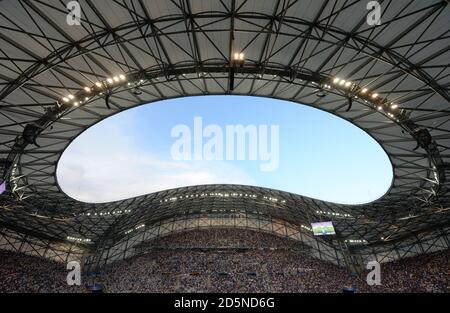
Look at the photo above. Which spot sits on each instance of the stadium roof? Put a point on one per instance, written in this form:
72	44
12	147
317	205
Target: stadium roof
127	53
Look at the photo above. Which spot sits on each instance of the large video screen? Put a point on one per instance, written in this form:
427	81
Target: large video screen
323	228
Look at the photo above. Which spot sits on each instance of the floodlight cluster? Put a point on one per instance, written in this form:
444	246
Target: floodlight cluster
306	227
272	199
81	98
107	214
81	240
14	178
239	56
219	195
333	214
134	229
355	241
382	105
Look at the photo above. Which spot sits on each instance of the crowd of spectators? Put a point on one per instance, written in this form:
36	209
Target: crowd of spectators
22	273
422	273
226	260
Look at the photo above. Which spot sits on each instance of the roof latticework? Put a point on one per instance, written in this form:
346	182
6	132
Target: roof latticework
398	91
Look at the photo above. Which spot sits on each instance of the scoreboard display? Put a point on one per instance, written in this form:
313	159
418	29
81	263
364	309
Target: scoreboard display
323	228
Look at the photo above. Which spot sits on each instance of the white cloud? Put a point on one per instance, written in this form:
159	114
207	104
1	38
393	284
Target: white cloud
109	166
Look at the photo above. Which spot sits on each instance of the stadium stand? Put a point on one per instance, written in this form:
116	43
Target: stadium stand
391	80
225	260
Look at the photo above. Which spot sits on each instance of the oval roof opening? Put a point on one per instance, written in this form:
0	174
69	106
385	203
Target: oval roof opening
225	140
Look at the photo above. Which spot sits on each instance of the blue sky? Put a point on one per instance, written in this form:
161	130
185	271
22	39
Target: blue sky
320	155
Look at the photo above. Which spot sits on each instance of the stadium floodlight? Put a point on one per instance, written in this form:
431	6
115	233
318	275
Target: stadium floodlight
375	95
394	106
364	90
87	89
71	97
99	84
237	61
110	81
122	77
66	99
116	79
238	58
336	80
